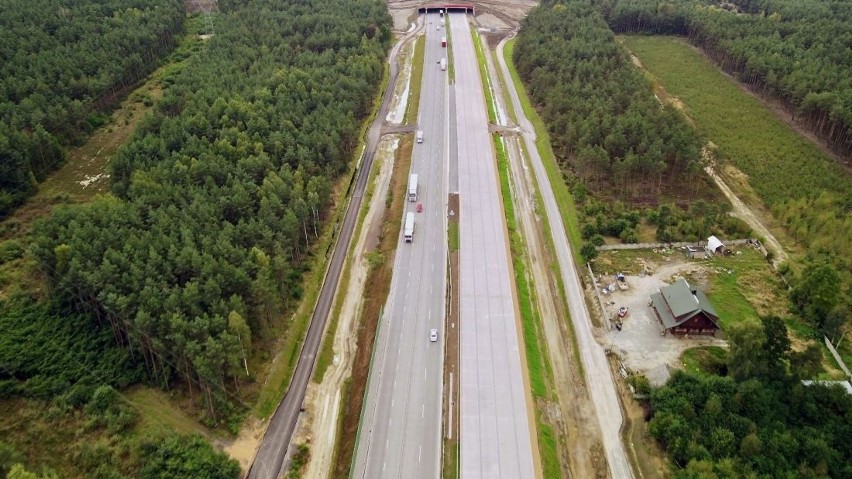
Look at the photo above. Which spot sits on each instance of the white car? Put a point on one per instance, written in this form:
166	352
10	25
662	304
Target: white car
433	335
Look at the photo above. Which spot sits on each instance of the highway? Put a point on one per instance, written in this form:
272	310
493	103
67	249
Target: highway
598	374
269	460
496	437
400	431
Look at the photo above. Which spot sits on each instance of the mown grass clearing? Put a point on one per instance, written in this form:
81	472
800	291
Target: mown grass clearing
743	287
705	360
157	411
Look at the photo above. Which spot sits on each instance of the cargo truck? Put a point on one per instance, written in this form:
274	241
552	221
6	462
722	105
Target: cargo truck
408	230
412	187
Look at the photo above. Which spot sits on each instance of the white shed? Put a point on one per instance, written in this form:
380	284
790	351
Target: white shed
714	245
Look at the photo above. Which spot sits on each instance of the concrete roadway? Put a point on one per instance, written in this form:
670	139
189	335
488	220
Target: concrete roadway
496	438
599	378
400	431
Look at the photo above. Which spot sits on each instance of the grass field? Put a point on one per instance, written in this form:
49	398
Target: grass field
560	189
782	166
483	75
744	287
705	360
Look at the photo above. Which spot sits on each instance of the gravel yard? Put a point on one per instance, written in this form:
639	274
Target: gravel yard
640	343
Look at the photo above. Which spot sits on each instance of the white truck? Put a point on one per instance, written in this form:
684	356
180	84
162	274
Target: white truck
408	229
419	136
443	64
412	187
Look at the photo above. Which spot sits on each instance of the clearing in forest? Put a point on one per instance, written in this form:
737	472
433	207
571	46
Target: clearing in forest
803	187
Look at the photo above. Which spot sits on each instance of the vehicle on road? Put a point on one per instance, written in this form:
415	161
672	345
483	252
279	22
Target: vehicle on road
420	207
408	230
433	335
419	136
443	63
412	187
444	42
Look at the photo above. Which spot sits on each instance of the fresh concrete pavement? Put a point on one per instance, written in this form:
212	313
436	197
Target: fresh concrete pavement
400	431
496	434
599	378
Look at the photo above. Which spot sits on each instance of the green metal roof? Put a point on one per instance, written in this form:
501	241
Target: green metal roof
680	299
676	303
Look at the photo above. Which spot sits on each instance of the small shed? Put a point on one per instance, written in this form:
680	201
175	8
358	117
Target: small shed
714	245
695	252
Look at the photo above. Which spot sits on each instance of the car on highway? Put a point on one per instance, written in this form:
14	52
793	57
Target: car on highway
433	335
420	207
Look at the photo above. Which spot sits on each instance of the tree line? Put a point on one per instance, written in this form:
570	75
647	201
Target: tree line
604	121
222	191
603	118
794	50
62	64
759	420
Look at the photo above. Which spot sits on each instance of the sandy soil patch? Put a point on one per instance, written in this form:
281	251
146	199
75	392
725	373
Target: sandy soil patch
244	447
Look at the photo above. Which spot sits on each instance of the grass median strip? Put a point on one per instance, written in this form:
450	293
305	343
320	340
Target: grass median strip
483	75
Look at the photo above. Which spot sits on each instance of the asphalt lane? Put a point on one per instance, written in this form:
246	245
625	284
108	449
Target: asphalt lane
400	432
495	430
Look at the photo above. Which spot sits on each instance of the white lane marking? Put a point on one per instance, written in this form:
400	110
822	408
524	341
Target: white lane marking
419	453
423	411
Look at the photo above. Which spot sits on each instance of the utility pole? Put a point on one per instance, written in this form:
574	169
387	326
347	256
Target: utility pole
208	7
